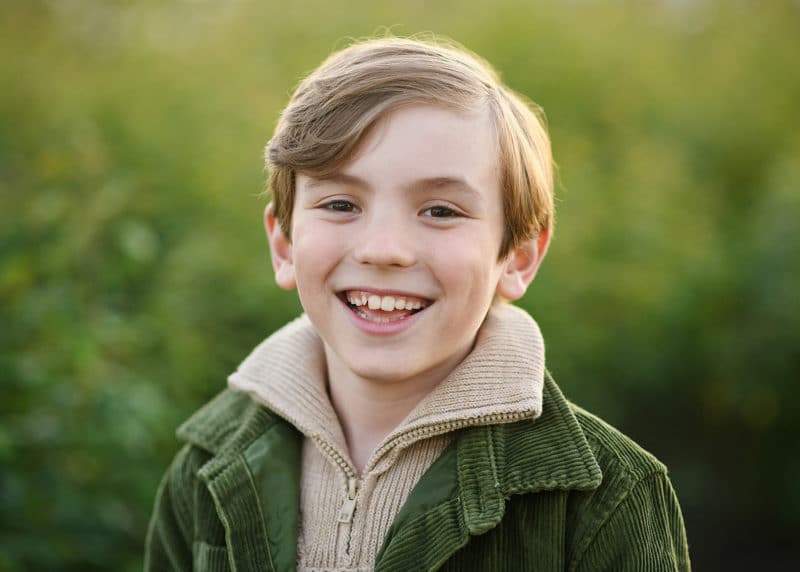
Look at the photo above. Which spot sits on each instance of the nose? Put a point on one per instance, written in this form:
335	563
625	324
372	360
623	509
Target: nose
386	241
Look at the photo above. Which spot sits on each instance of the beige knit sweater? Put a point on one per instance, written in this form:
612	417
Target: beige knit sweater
343	516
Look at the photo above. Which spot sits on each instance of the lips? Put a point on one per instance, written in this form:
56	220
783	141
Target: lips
383	308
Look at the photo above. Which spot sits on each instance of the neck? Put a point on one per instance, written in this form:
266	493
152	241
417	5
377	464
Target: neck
370	408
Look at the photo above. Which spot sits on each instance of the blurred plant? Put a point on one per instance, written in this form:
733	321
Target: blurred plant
134	274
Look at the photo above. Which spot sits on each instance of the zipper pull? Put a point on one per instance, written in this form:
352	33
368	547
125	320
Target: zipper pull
349	504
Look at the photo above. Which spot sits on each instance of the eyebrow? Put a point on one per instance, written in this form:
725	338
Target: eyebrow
420	185
336	178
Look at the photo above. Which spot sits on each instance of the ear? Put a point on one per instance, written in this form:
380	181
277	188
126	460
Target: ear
280	249
521	265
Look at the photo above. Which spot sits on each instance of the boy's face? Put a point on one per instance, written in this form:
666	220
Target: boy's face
395	256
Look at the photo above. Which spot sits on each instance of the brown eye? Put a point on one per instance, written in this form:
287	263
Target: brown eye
441	212
340	206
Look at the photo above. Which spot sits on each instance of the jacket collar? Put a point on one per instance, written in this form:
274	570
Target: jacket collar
464	493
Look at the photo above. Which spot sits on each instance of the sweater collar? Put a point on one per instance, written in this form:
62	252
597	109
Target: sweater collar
499	381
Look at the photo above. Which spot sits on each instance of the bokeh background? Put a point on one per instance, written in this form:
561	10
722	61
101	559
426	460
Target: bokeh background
134	273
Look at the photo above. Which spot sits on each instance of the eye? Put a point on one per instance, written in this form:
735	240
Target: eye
440	211
340	206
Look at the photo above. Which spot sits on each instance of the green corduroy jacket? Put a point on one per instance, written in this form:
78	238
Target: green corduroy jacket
563	492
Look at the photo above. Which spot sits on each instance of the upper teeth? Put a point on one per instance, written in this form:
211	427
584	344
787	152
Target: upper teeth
385	303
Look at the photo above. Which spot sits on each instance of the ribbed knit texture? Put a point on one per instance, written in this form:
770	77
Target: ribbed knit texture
500	381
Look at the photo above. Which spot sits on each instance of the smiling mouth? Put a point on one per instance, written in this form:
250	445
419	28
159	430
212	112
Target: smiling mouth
382	309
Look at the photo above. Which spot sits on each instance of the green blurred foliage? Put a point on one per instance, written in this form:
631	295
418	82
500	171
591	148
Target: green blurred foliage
134	273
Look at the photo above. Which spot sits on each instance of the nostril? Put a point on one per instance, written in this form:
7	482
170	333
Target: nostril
385	253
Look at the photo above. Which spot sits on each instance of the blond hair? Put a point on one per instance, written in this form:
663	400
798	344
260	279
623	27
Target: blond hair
334	106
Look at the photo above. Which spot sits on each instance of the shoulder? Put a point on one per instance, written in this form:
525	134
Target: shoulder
226	423
632	520
214	434
182	499
623	465
207	432
617	454
568	449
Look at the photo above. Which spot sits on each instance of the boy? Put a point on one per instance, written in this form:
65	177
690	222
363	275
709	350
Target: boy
406	421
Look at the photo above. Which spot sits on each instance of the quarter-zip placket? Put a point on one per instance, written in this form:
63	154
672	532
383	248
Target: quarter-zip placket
348	508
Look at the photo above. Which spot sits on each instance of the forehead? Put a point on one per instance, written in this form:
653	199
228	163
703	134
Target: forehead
427	144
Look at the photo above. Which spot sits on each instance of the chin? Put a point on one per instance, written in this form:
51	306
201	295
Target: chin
379	372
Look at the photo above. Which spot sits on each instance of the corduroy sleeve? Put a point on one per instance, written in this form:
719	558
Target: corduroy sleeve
645	533
169	535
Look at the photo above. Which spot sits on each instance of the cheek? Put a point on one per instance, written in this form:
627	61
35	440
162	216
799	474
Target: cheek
468	261
315	250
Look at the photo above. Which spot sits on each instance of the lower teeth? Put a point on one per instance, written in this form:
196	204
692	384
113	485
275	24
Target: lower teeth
378	319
